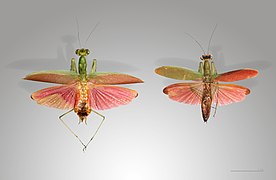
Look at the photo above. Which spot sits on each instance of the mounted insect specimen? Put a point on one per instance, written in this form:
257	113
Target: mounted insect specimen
83	92
205	88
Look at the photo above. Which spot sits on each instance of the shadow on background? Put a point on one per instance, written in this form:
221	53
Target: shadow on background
62	62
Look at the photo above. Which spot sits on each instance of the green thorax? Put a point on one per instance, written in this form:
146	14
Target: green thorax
207	68
82	62
82	67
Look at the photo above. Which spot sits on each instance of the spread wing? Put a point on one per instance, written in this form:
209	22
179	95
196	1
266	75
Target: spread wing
228	93
62	97
191	93
237	75
59	77
106	97
178	73
188	93
112	78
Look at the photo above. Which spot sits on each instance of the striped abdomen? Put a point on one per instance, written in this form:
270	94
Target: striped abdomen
206	101
82	106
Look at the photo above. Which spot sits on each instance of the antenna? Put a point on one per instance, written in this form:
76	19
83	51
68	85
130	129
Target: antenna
211	38
78	28
91	32
196	42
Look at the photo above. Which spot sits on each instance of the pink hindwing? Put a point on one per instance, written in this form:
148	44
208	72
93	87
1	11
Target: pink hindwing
62	97
106	97
228	93
188	93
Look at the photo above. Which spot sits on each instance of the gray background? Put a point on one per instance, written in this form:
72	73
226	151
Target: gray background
153	138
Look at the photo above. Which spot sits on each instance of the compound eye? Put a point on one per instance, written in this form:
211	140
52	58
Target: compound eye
77	52
87	51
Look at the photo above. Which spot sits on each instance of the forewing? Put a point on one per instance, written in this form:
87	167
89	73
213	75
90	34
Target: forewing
178	73
106	97
59	77
188	93
224	94
112	78
61	97
237	75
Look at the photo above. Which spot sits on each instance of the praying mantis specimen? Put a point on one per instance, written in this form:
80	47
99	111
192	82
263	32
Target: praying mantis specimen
205	88
83	92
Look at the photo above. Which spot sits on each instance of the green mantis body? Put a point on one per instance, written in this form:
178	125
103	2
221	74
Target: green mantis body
83	92
209	72
205	88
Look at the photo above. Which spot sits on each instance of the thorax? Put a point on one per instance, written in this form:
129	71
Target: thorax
207	72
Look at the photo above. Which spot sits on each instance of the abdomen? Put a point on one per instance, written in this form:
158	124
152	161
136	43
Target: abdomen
82	106
206	101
